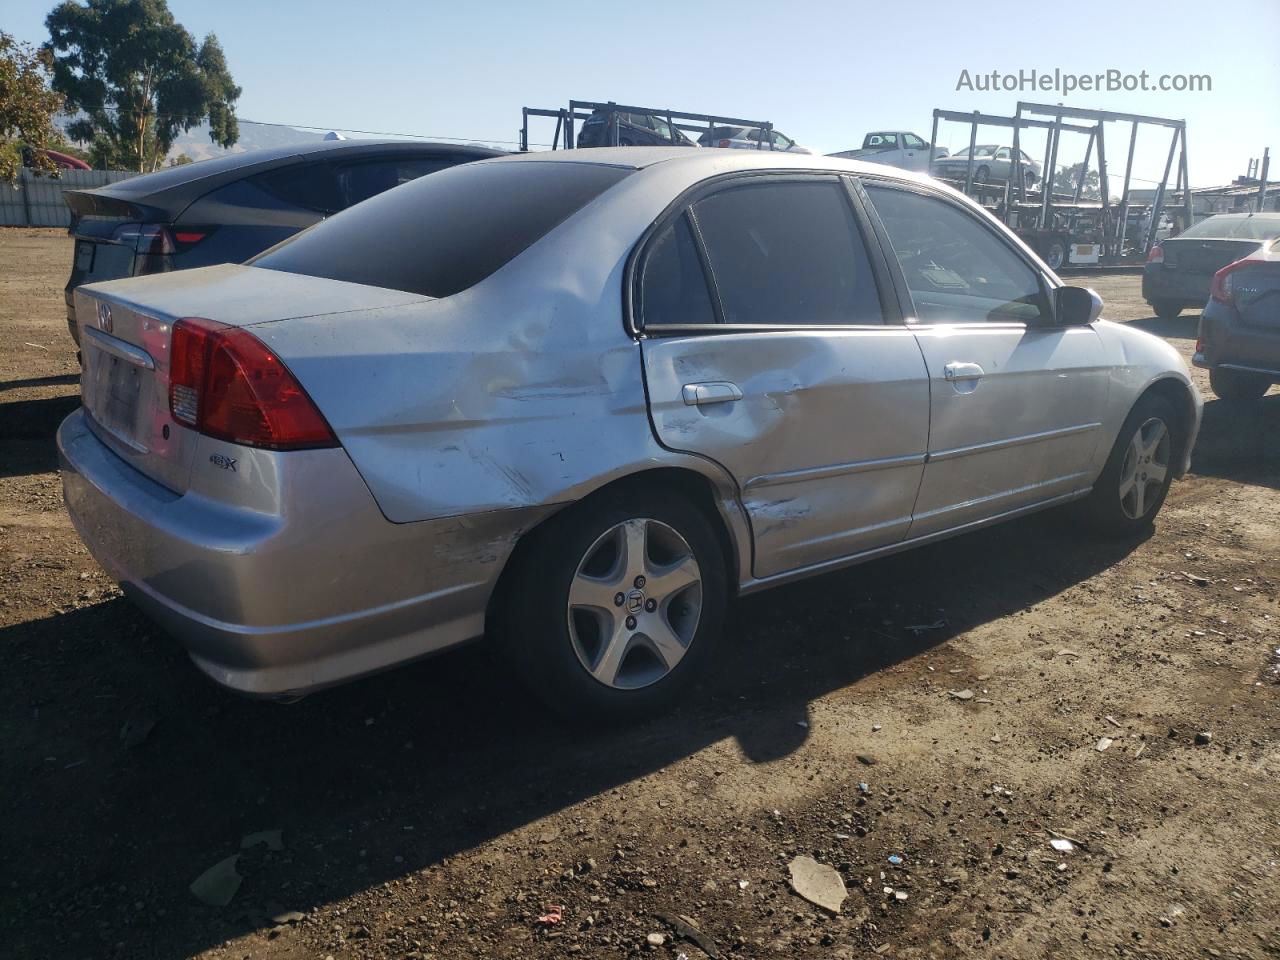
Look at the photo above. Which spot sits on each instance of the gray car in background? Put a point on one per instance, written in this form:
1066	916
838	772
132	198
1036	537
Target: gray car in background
749	138
229	208
992	163
1179	270
1239	337
578	401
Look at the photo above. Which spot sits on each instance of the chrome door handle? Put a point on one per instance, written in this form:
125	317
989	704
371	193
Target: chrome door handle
963	371
719	391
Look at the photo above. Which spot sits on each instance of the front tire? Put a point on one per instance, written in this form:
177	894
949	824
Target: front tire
1166	310
1138	472
1236	386
616	605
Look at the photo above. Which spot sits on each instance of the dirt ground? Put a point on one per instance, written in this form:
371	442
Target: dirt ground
436	812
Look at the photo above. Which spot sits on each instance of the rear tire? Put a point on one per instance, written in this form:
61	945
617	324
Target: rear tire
981	175
1138	472
1236	386
579	650
1166	310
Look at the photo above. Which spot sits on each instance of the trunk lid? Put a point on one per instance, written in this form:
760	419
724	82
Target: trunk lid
125	329
1204	256
1256	289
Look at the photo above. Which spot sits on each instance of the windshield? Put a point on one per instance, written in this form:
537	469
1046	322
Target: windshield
983	151
441	234
1235	228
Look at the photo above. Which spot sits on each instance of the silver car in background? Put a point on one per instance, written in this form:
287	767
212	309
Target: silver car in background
749	138
580	401
992	163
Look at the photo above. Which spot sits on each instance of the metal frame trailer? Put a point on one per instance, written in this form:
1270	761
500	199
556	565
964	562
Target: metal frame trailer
582	110
1114	227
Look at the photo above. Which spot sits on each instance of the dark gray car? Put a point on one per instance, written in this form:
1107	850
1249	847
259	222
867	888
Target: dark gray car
1179	270
231	208
1239	340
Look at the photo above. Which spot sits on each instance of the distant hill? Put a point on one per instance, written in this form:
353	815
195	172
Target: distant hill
195	143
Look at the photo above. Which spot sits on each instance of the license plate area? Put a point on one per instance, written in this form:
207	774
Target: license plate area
113	392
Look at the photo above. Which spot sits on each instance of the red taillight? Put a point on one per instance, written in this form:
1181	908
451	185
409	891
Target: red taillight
724	143
1156	255
146	238
1222	288
152	242
226	383
188	238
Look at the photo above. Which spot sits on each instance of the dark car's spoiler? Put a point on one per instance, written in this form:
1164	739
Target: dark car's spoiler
161	196
91	203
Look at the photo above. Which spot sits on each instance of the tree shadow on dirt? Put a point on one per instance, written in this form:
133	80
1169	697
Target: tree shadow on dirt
27	428
1240	441
394	774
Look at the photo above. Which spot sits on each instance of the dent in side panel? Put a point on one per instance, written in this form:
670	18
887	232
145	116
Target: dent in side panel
827	442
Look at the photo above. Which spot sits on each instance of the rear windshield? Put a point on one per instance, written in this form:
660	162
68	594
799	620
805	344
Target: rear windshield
441	234
1233	228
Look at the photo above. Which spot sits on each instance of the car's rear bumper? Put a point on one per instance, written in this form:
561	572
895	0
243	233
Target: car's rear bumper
315	591
1173	286
1225	341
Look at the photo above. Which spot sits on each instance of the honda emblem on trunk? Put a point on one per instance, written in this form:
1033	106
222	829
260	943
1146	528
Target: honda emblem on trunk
104	317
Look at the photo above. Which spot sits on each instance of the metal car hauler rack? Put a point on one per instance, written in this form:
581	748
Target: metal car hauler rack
1112	223
582	110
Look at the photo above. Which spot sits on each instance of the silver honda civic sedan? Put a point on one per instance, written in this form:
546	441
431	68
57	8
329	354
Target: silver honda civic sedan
579	401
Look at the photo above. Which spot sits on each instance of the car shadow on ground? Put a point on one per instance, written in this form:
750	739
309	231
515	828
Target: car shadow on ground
1185	326
26	433
1240	441
396	773
58	380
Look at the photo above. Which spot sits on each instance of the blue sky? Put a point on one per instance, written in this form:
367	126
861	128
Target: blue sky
823	72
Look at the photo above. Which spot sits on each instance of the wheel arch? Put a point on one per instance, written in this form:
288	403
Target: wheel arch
716	497
1180	395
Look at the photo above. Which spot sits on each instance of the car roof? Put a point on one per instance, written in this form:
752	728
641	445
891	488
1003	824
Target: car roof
176	187
714	161
1260	215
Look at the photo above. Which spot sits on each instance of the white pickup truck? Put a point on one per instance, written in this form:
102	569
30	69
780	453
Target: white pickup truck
895	148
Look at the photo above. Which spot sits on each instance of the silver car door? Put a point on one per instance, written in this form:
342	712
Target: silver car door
766	349
1016	401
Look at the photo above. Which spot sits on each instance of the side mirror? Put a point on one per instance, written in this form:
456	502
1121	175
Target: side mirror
1076	306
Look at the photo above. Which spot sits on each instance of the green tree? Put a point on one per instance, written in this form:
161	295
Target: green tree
1064	181
27	106
138	79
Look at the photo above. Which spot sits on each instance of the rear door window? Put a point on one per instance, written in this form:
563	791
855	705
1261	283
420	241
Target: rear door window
788	253
673	288
311	186
360	180
957	269
441	234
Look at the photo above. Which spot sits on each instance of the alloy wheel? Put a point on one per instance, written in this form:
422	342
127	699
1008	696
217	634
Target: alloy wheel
634	604
1145	467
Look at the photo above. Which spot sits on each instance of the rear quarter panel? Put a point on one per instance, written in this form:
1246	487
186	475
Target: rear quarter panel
523	390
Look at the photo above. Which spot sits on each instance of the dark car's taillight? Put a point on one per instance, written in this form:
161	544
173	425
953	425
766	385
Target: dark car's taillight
1222	288
226	383
153	243
1156	255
